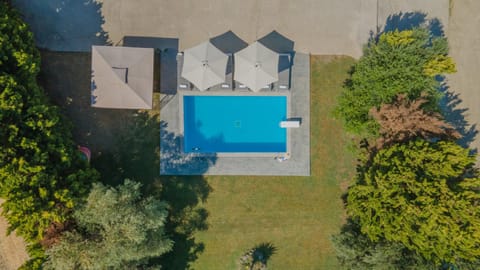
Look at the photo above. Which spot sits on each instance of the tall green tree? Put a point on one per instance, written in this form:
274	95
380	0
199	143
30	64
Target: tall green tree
117	228
421	194
356	251
398	62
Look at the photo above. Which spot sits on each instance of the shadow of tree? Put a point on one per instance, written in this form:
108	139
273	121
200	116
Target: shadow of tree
135	152
263	252
70	89
257	257
174	161
137	157
455	116
184	195
408	20
64	25
125	144
449	101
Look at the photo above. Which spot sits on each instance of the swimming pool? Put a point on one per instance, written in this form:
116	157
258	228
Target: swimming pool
234	124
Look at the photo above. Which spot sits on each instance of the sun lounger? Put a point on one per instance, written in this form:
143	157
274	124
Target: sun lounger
240	86
290	124
182	83
267	87
228	83
284	73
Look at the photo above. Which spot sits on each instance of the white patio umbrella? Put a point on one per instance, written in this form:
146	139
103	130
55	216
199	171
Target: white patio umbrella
256	66
204	65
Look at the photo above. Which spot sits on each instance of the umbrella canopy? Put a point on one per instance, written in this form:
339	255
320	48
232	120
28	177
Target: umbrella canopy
204	65
122	77
256	66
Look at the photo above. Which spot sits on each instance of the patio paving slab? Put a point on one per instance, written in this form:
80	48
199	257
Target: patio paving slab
464	40
333	27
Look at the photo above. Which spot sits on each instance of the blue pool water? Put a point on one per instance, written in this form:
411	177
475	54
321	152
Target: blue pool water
216	124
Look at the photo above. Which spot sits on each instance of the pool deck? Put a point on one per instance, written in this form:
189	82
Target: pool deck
299	138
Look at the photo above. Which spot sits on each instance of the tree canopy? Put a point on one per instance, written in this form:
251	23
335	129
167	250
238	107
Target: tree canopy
398	62
42	176
357	251
116	229
416	194
404	120
424	195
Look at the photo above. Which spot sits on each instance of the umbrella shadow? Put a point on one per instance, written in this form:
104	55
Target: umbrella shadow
64	25
228	42
281	45
277	42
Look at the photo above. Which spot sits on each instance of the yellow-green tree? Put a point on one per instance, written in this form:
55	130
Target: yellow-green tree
41	174
356	250
421	194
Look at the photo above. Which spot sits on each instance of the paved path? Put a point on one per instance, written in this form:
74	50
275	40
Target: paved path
12	247
464	39
317	27
412	13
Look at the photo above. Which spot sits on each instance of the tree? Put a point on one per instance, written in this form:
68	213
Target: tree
421	194
42	176
357	251
404	120
116	229
398	62
257	257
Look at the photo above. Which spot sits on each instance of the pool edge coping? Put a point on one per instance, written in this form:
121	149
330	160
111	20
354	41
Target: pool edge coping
182	93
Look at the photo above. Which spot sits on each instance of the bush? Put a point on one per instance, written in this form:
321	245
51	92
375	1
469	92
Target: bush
405	62
42	176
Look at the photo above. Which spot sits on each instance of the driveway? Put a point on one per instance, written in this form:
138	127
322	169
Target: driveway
317	27
464	39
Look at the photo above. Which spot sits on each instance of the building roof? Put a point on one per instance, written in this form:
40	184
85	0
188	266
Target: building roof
122	77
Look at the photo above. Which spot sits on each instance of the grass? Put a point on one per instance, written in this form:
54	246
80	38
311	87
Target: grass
296	215
214	219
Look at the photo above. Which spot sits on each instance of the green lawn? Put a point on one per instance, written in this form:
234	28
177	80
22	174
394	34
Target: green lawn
295	214
216	218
